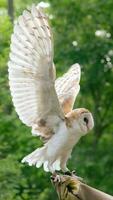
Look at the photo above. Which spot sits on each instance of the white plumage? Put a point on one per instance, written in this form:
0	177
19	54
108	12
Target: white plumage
41	102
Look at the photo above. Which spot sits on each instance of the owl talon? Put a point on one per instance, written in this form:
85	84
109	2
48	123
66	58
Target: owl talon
56	178
70	173
73	172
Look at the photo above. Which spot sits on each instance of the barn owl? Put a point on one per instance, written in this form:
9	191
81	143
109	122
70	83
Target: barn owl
43	102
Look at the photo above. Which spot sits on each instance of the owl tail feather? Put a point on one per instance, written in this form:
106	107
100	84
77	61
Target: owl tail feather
39	157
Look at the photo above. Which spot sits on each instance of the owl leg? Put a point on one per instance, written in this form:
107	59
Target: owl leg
64	168
63	162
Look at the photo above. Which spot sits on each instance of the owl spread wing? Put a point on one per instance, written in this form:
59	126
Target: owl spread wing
31	74
67	87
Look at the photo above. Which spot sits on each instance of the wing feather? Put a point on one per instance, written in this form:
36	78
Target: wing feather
31	74
67	87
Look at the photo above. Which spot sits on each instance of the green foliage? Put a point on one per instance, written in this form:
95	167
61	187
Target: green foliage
77	38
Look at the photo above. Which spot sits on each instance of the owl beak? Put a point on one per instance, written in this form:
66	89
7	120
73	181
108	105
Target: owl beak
88	128
90	125
87	125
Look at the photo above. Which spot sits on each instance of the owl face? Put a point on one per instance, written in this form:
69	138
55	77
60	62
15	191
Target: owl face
82	121
86	122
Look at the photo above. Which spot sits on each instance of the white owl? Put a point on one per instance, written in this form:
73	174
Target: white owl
43	103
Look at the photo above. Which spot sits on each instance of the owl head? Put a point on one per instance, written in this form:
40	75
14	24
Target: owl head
81	120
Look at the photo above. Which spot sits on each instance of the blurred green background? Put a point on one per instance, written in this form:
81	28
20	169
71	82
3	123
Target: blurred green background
83	33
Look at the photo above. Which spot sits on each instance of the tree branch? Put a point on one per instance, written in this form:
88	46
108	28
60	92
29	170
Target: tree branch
71	188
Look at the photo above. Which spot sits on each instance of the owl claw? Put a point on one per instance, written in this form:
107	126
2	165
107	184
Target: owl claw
73	173
69	173
56	178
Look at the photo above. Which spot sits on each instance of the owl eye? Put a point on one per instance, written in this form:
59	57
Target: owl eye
86	120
